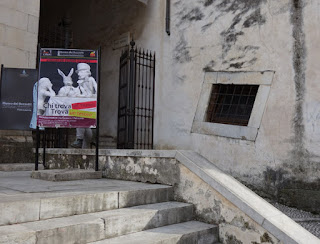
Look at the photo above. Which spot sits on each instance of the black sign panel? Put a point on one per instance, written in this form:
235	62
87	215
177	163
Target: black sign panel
16	98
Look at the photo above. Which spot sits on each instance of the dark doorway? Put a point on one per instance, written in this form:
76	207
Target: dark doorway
83	24
55	33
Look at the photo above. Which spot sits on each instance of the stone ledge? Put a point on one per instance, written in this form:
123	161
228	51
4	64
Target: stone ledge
270	218
19	167
66	175
15	133
112	152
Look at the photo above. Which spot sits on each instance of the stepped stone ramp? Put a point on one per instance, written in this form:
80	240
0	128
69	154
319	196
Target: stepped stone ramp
84	211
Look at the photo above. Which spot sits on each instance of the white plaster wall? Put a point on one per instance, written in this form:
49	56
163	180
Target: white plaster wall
196	43
312	102
19	32
190	49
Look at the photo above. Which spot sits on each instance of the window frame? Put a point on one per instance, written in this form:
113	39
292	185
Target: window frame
221	98
262	78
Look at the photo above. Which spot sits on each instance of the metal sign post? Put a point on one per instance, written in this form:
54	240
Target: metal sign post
98	111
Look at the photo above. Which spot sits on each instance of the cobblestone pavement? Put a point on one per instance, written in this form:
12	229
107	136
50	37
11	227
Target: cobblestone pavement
307	220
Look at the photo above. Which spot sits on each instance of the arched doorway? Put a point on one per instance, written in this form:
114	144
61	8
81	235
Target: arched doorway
87	25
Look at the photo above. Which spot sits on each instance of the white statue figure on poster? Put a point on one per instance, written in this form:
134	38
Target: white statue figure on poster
44	90
87	84
67	90
87	88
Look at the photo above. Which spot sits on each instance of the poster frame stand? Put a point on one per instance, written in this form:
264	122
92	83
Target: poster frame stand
98	111
97	120
2	67
37	127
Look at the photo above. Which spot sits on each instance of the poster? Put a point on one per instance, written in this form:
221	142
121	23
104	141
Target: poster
16	98
67	88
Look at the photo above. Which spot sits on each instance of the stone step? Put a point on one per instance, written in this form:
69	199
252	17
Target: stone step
19	167
188	232
97	226
20	208
66	174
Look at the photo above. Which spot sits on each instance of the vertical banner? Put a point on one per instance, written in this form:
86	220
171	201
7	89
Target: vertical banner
67	88
16	98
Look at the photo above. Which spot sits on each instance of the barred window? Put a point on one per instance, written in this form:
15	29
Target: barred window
231	104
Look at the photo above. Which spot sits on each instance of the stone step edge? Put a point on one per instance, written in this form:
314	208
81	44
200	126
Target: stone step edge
66	174
190	232
98	226
18	167
38	207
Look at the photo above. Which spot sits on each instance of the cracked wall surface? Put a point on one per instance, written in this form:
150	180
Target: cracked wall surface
238	35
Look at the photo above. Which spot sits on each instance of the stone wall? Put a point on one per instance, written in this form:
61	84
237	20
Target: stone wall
16	147
19	21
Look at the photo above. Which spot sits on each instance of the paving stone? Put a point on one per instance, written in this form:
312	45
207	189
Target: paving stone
307	220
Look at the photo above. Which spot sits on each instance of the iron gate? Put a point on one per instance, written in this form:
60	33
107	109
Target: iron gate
136	99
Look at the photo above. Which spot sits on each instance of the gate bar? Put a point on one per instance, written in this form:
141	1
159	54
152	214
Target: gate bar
44	148
2	67
37	149
38	132
131	87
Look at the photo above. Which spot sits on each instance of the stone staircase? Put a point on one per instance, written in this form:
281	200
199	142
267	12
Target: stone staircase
143	214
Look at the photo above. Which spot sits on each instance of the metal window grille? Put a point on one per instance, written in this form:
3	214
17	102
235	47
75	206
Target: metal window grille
231	104
136	99
54	138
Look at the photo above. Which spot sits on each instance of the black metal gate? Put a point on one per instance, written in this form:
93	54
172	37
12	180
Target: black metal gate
136	99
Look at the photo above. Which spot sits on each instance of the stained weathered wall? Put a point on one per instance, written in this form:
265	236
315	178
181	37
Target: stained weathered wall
242	35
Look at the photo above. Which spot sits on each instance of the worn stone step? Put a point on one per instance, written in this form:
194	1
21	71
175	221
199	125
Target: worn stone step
39	206
97	226
189	232
66	174
19	167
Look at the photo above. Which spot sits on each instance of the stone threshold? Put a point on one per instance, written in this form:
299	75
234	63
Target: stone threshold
66	174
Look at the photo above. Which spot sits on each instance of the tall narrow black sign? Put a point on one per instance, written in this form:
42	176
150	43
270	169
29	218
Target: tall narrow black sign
16	98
